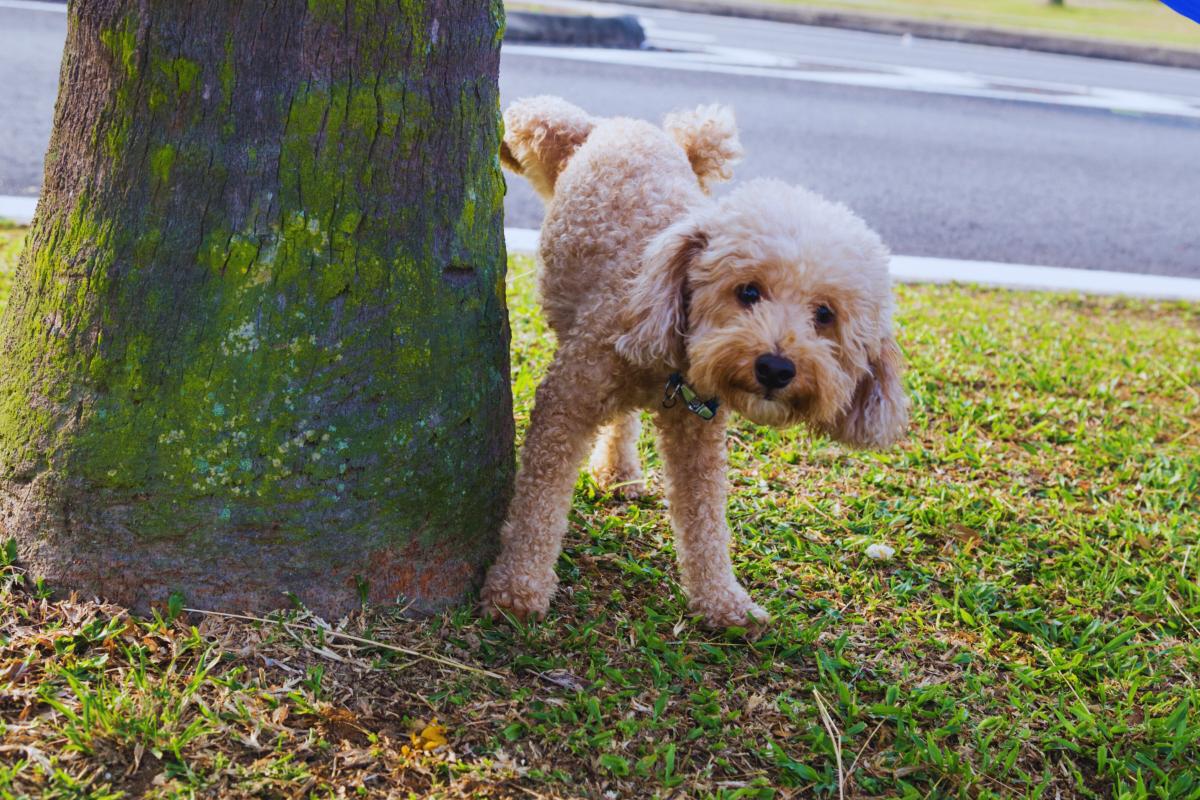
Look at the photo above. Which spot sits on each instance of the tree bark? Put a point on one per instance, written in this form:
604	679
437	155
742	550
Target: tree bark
258	344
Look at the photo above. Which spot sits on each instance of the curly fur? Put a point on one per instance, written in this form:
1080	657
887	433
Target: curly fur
709	136
640	272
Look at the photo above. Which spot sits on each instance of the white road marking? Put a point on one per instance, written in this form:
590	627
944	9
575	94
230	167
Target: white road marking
34	5
703	56
922	269
660	35
907	269
753	63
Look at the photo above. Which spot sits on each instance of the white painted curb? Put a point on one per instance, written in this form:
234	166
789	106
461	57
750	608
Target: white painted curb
918	269
521	240
17	209
921	269
907	269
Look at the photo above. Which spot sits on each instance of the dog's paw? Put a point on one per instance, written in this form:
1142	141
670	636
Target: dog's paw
504	594
736	610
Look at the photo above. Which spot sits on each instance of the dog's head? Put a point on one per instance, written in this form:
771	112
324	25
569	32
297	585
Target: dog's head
779	303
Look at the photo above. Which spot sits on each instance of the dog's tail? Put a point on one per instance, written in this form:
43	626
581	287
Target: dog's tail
540	136
709	136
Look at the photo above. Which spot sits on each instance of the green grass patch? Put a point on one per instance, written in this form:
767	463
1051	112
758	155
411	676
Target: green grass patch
11	240
1035	634
1138	21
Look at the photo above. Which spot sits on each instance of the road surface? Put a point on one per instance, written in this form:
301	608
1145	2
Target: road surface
949	150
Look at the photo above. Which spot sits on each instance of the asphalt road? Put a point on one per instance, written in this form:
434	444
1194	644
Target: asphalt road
948	150
31	44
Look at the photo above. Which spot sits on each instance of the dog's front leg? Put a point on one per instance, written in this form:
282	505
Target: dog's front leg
572	401
694	459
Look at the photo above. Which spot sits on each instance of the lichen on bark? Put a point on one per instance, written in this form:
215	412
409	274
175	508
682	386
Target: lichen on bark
258	341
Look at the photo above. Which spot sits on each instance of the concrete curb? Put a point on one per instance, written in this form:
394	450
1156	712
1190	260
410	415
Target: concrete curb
905	269
929	29
17	209
1021	277
578	30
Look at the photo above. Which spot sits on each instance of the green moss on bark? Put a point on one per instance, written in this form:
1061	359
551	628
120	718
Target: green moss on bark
291	327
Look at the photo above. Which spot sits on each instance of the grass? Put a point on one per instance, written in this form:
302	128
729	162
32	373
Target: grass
1140	21
1035	634
11	240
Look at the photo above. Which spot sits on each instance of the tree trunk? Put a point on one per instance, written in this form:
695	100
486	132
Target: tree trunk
258	344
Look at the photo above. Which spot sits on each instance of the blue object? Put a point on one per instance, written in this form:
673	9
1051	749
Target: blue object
1189	8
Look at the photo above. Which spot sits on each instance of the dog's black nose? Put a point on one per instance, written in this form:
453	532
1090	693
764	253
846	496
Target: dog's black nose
774	372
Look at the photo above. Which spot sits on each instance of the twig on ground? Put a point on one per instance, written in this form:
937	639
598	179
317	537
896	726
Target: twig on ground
443	660
1150	575
1171	602
861	750
1062	675
836	738
1186	434
1175	377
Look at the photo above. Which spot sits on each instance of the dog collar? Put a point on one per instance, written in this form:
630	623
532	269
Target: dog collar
677	387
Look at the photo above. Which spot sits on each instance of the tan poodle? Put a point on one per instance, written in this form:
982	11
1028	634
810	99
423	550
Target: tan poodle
769	301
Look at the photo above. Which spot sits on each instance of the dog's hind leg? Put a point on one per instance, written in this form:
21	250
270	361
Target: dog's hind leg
694	462
570	403
615	464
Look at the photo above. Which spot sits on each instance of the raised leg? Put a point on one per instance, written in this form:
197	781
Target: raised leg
615	464
694	460
569	405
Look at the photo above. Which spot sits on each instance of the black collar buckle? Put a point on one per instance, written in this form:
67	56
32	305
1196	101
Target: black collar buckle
677	387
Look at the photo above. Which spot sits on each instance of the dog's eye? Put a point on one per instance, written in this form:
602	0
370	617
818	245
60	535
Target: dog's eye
824	316
749	294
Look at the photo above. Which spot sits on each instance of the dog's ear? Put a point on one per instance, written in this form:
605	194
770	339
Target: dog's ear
878	413
655	316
